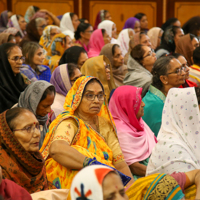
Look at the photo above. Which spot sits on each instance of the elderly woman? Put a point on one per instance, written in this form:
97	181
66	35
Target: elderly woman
140	64
82	135
167	73
114	54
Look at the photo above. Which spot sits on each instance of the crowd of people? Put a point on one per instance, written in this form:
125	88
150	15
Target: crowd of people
87	112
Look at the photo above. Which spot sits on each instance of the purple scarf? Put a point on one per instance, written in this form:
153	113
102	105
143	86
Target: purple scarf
130	22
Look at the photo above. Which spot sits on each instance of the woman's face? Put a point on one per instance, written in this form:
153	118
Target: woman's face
137	27
44	107
77	74
107	70
87	33
91	107
106	38
75	22
144	23
141	110
145	40
41	27
177	23
114	31
108	16
195	43
113	188
53	32
179	34
15	58
118	58
22	23
81	60
159	38
38	57
68	43
184	63
30	141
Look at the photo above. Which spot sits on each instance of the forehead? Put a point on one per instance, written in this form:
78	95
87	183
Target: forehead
117	50
83	56
174	63
16	51
94	86
146	48
182	59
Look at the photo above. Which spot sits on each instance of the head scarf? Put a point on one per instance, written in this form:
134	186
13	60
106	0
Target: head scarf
107	25
124	40
10	85
45	38
25	169
39	14
134	41
124	106
168	23
178	148
66	23
29	13
30	99
130	22
12	30
61	80
87	184
4	19
71	55
153	34
185	48
100	17
69	33
96	43
95	67
4	37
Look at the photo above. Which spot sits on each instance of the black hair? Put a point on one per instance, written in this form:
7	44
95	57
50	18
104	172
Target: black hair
71	67
49	90
196	56
105	12
161	67
137	53
81	28
197	91
113	48
13	113
71	15
18	34
192	36
175	29
36	8
176	55
169	22
18	16
9	48
103	31
10	37
139	15
82	20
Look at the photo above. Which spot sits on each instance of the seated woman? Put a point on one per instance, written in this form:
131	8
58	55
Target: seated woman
102	15
127	109
98	39
38	98
143	21
140	64
114	54
133	23
7	38
16	33
155	35
76	55
49	32
99	67
167	73
32	67
63	78
171	22
82	134
59	44
110	28
186	45
83	34
11	81
177	147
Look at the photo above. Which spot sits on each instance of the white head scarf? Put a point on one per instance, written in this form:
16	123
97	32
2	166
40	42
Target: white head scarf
153	34
178	145
16	24
66	23
69	33
107	25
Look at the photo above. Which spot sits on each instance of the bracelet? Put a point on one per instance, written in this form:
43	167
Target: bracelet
86	161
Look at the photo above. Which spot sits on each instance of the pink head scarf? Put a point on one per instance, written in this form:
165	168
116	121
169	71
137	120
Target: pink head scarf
135	137
96	43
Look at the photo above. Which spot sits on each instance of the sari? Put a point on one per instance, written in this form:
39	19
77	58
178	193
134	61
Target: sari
86	140
55	51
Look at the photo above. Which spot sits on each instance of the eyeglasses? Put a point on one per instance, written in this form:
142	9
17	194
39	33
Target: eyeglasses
17	58
107	66
179	70
91	97
150	53
31	128
73	80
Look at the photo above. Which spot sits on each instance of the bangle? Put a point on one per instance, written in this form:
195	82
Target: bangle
86	161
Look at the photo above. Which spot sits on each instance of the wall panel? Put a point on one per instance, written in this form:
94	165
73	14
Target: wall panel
3	5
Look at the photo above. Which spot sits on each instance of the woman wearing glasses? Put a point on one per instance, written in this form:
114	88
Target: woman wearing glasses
167	73
140	64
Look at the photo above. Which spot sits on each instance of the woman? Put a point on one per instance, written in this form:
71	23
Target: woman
140	64
11	81
33	66
155	35
7	38
167	73
87	120
139	38
38	98
59	44
179	133
101	16
31	10
186	45
110	28
169	40
69	22
143	21
18	22
171	22
133	23
15	32
76	55
99	67
98	39
4	17
63	78
83	34
127	109
114	54
47	35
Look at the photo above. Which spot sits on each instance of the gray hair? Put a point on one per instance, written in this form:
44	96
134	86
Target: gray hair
39	20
